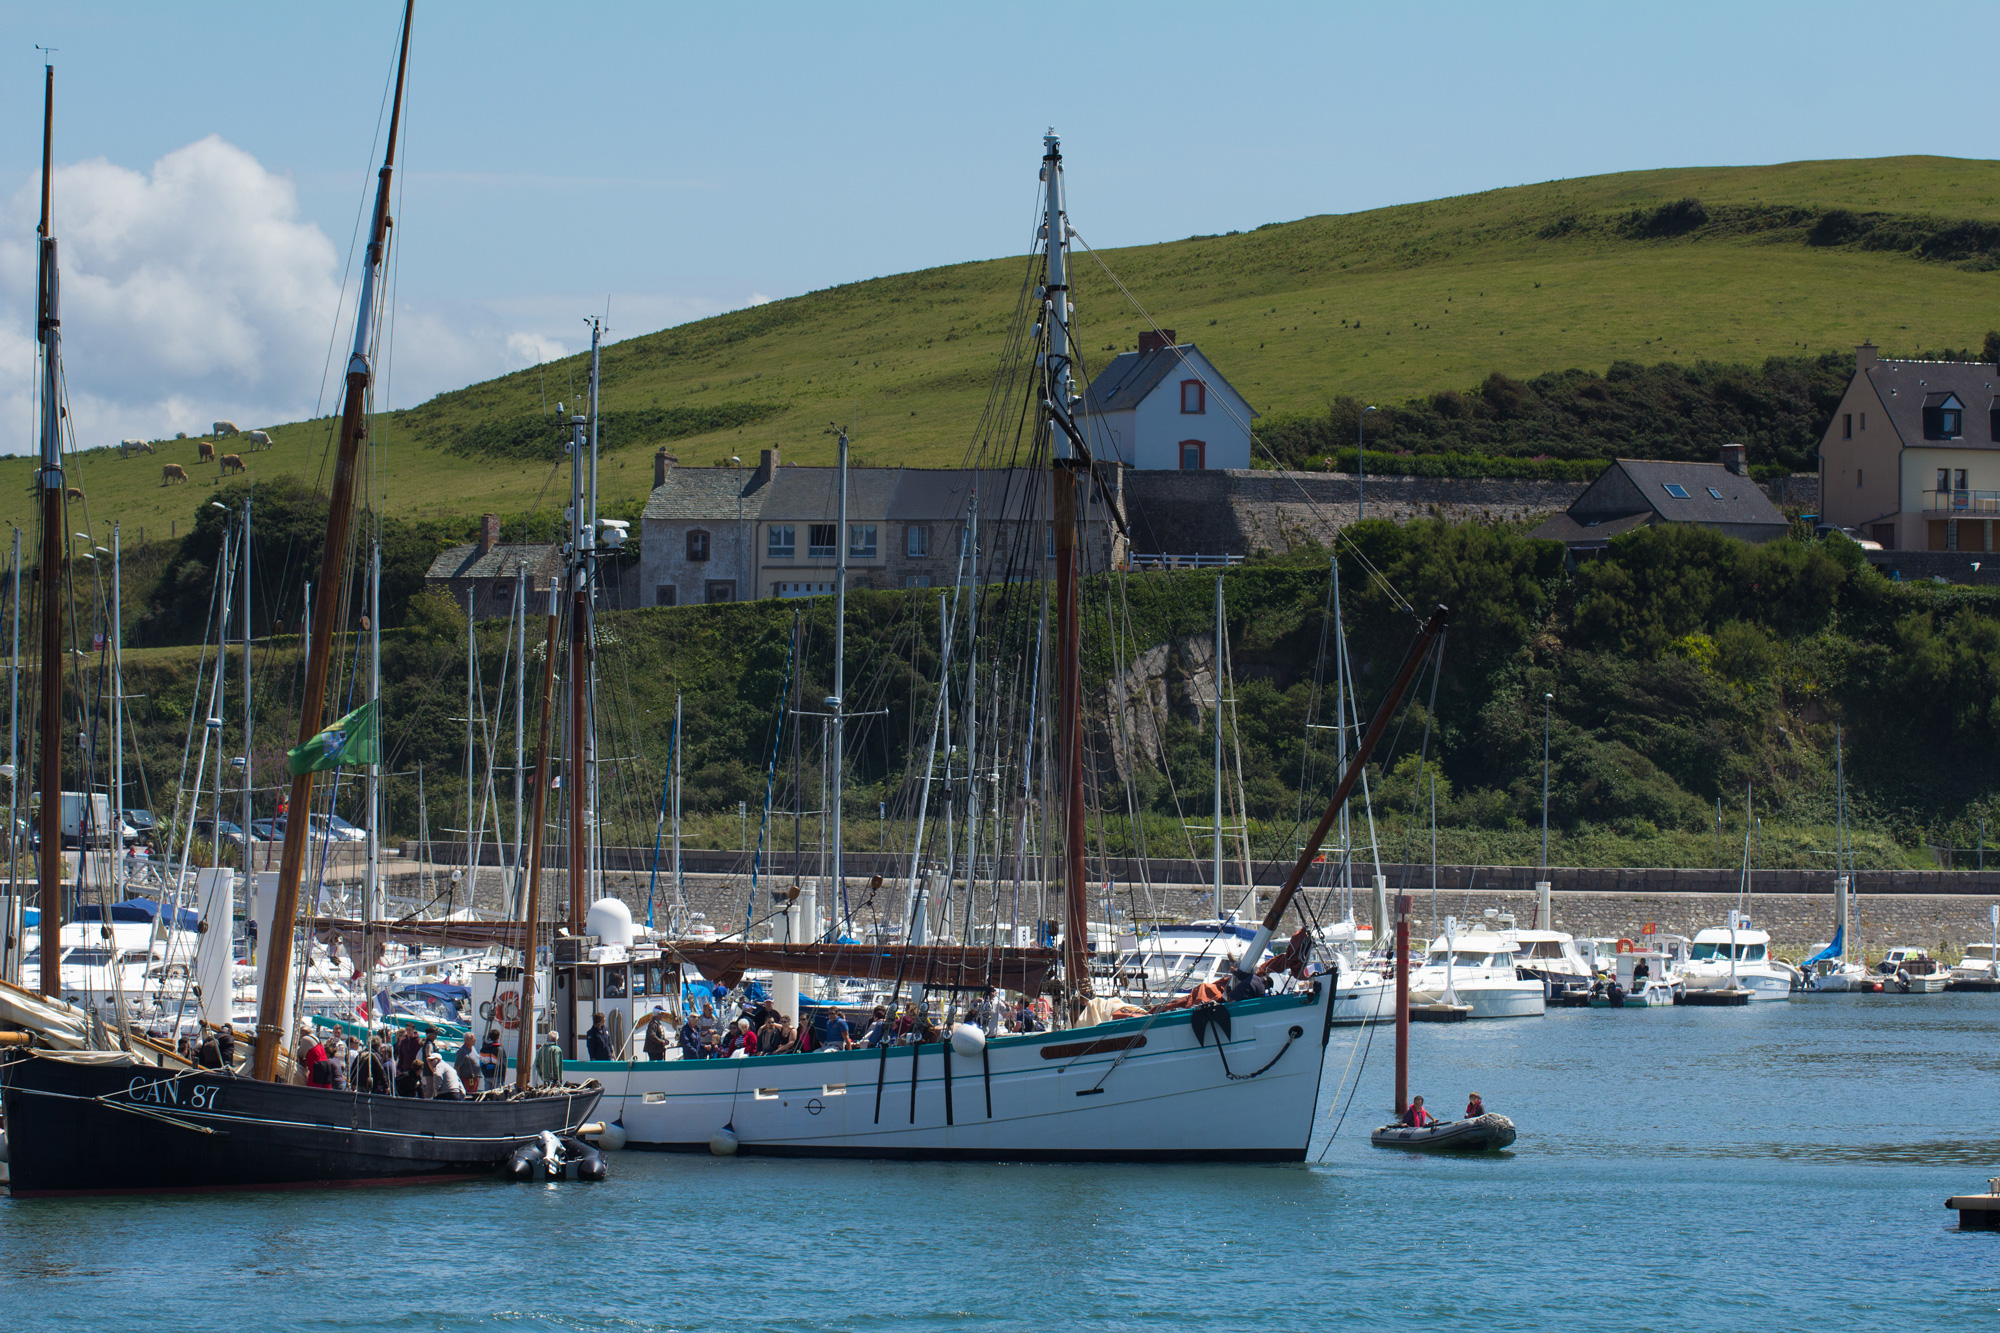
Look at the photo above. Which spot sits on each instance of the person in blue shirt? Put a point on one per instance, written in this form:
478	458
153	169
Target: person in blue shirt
837	1032
598	1040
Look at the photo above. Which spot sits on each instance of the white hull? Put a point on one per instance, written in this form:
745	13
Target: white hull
1053	1096
1763	984
1512	999
1929	984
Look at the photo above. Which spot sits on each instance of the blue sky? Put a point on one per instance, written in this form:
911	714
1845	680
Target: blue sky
678	160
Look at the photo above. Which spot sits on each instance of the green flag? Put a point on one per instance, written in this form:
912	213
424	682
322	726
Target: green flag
349	740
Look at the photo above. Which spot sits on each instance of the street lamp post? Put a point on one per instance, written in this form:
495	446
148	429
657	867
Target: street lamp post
1360	467
1547	699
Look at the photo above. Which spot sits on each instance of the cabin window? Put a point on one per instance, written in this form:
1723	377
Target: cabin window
666	594
861	540
653	986
1194	455
1194	397
639	986
586	983
1675	489
820	538
781	544
697	545
917	540
1847	426
614	983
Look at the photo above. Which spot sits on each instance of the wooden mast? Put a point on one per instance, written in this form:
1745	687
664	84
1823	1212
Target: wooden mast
1071	464
531	913
50	879
333	562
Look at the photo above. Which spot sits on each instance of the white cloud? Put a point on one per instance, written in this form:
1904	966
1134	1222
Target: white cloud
198	291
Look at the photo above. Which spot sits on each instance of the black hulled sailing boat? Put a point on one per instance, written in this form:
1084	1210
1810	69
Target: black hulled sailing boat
110	1122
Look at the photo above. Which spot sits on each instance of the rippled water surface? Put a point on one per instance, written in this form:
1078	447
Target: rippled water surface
1777	1167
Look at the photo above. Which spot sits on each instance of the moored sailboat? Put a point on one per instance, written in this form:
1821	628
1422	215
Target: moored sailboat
119	1122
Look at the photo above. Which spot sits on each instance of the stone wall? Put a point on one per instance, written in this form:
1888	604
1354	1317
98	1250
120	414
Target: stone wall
1242	512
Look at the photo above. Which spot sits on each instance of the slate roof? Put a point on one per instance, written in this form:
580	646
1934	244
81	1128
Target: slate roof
465	562
1741	500
1563	528
1905	388
1124	384
709	495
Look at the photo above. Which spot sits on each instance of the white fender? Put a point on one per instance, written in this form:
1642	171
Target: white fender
723	1143
968	1040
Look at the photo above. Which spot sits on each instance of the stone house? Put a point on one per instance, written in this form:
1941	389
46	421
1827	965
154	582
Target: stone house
720	534
486	569
1634	493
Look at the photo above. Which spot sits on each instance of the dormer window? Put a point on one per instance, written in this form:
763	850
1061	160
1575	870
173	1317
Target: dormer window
1944	417
1194	397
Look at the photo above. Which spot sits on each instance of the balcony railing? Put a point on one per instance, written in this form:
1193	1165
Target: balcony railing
1962	502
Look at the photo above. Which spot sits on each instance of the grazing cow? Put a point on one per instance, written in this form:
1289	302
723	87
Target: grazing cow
257	439
73	492
126	448
223	428
204	452
232	463
172	473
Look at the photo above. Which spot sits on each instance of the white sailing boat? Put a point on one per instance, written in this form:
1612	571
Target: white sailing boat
1235	1081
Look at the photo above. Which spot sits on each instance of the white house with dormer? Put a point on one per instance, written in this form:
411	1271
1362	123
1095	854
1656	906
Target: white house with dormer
1166	408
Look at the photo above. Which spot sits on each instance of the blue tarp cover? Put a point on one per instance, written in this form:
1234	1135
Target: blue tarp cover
138	910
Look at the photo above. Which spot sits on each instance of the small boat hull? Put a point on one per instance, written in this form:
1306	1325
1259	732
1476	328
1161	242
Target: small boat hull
1486	1133
112	1124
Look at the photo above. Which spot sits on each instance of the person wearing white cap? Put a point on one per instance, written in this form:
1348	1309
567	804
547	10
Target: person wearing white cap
450	1088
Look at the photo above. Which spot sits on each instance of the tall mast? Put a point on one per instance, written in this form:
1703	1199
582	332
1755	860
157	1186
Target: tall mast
49	330
14	743
248	864
581	774
333	562
838	703
680	885
1056	310
1218	745
531	910
371	884
520	715
117	725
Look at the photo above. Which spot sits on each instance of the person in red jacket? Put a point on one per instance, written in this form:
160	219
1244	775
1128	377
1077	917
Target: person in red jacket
1474	1108
1417	1117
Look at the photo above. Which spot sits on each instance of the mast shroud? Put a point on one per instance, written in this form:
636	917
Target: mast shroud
333	559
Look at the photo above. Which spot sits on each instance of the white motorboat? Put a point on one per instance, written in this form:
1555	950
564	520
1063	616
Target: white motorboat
1976	964
1476	968
1912	971
1722	957
1553	958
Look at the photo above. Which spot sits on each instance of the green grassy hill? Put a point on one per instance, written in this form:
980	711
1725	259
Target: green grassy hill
1385	305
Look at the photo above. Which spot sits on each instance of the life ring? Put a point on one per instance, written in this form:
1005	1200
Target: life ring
1626	946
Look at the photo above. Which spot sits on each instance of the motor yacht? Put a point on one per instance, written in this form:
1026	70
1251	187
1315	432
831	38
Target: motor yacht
1552	958
1476	968
1913	971
1977	964
1712	966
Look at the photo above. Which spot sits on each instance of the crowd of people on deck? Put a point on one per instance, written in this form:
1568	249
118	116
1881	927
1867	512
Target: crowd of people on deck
760	1027
408	1062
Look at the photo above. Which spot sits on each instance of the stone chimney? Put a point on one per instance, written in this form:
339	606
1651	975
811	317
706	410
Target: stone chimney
661	462
767	465
1150	341
1864	356
489	532
1732	458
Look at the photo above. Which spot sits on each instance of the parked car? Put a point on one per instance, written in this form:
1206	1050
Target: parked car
229	833
142	825
266	830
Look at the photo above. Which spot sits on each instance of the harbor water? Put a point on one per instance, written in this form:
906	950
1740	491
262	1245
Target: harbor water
1776	1166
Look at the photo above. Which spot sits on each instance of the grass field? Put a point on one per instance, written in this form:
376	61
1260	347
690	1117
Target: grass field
1383	305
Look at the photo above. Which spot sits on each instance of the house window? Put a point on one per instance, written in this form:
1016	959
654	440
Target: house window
1194	455
1944	481
719	590
1714	494
1949	418
1049	542
861	540
697	545
917	540
1847	426
1194	397
917	581
1958	480
1675	489
820	538
666	594
801	589
1857	479
780	545
1944	420
1864	421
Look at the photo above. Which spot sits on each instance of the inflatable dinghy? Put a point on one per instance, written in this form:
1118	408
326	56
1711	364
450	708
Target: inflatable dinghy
1485	1133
